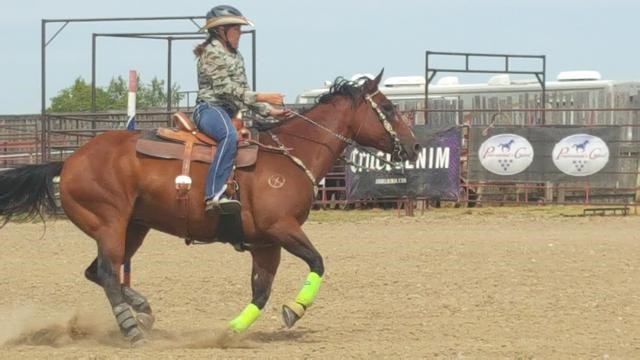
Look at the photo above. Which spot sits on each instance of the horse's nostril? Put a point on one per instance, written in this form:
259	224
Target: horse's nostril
417	147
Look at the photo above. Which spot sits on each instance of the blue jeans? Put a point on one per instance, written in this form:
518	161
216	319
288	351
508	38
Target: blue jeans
215	122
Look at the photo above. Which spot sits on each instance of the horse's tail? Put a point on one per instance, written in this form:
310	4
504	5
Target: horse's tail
26	190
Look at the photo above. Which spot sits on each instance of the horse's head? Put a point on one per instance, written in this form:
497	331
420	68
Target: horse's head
377	124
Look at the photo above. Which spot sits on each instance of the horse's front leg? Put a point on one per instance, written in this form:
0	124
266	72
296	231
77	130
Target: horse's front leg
289	235
265	265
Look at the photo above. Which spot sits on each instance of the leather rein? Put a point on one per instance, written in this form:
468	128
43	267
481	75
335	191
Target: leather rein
397	146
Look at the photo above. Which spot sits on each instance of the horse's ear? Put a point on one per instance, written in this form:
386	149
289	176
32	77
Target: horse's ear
372	85
379	77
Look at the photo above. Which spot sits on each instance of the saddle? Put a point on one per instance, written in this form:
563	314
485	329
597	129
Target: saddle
186	143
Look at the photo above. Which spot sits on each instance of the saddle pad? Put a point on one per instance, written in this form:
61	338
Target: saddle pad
247	154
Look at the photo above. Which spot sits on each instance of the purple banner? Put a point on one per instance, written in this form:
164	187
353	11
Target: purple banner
435	174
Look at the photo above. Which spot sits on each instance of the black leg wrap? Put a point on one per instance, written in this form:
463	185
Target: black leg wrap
128	324
91	273
230	230
138	302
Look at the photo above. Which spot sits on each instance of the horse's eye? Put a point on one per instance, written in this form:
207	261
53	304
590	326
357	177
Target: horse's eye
388	107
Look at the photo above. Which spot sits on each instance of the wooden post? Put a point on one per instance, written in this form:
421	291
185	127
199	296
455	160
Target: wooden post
131	126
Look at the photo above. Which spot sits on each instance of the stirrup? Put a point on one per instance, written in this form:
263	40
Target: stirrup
223	206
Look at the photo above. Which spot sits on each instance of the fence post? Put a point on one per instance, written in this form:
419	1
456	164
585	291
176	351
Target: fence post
131	126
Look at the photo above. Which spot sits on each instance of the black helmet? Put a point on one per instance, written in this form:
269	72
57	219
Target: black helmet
223	10
224	15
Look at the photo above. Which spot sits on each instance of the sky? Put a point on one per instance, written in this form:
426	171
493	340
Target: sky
303	43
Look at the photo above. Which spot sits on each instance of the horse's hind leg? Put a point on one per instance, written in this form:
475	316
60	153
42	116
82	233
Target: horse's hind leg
101	207
105	271
135	235
289	235
110	260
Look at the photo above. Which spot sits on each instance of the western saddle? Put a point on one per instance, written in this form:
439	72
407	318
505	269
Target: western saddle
186	143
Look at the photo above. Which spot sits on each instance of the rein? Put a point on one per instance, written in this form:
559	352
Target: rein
397	147
284	150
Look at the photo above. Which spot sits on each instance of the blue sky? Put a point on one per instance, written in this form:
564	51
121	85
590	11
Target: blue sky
302	43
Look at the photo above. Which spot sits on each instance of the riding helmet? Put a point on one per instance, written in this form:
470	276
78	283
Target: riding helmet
225	15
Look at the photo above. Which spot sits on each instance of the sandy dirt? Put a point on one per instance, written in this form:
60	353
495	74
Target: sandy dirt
452	283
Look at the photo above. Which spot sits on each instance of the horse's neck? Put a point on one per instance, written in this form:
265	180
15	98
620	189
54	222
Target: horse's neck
317	148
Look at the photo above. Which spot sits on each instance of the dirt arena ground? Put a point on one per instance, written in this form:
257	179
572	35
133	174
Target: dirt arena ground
450	284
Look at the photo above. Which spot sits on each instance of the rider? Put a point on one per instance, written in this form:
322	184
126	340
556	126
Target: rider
222	92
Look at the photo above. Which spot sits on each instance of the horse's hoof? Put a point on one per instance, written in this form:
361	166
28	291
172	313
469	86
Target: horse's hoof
141	342
291	313
145	321
136	338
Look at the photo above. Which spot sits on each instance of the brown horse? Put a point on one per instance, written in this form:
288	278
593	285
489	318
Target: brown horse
116	195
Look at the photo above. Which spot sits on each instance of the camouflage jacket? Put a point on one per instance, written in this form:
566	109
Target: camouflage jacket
222	78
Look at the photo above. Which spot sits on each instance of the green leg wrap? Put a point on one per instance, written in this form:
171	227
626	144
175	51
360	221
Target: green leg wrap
309	291
247	317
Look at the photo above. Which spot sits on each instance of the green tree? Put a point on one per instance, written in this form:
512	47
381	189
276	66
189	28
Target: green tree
152	95
118	91
77	97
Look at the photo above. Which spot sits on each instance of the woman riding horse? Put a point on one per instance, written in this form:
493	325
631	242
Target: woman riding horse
116	195
222	92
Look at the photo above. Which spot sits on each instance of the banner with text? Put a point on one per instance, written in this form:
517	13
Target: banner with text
551	154
434	174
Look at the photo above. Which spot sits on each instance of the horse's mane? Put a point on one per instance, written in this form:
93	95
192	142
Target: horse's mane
351	89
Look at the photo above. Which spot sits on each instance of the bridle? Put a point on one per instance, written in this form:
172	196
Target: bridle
397	145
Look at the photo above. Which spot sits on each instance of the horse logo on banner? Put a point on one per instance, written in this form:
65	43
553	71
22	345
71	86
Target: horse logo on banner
580	155
506	154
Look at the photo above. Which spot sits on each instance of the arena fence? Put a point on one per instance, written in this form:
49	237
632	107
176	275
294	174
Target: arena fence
19	140
28	140
65	132
559	169
578	156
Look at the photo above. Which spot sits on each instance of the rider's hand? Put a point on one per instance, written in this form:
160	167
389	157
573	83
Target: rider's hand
280	113
271	98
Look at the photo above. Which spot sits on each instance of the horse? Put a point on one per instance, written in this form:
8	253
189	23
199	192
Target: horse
506	146
581	147
115	195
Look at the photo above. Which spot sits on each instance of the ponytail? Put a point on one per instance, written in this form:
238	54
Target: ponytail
199	50
214	35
